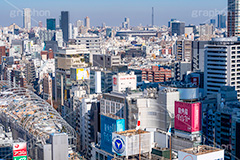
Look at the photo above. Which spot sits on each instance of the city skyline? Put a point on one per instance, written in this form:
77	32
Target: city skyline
138	11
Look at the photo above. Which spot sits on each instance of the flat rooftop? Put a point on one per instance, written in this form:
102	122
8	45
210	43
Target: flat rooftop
200	150
131	132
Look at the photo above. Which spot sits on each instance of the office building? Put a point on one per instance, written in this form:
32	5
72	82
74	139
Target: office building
233	16
92	43
51	24
87	22
222	21
126	23
177	28
64	24
221	65
198	51
27	18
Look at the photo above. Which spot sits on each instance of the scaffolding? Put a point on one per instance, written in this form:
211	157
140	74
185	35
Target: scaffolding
27	113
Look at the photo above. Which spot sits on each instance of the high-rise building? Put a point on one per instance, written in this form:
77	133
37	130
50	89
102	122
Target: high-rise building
87	22
27	18
51	24
221	65
178	28
221	21
126	23
64	25
233	18
213	22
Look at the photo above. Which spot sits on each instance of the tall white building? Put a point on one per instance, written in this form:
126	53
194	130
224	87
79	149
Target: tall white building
27	18
222	59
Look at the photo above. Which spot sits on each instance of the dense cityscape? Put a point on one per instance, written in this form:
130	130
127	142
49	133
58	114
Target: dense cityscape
74	91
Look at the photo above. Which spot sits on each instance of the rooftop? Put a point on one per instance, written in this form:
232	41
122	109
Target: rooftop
131	132
200	150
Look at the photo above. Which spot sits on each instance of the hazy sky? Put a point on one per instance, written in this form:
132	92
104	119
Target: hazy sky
112	12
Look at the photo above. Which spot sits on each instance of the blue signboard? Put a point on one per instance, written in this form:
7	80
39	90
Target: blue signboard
108	126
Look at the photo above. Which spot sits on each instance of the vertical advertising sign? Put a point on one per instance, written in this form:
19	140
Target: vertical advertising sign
20	151
188	116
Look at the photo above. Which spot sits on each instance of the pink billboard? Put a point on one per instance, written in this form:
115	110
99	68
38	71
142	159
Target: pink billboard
187	116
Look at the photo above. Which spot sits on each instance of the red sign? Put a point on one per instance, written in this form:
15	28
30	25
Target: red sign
114	81
19	149
195	80
187	116
17	153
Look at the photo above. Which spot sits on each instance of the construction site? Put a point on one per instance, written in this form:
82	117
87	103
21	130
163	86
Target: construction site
33	120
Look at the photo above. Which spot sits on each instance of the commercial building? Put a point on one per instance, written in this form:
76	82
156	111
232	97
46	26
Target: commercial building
166	100
71	70
131	142
221	65
51	24
27	18
123	81
64	21
109	124
201	153
123	105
